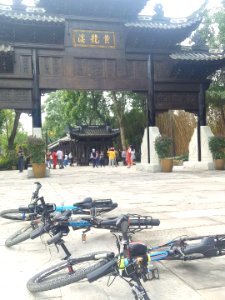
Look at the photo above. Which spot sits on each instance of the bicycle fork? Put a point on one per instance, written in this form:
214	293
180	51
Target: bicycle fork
138	289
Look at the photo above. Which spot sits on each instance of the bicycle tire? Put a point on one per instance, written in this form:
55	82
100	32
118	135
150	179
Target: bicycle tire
142	296
20	236
51	278
14	214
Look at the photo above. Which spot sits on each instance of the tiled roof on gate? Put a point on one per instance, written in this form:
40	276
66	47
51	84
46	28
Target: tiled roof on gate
197	56
30	16
93	130
147	22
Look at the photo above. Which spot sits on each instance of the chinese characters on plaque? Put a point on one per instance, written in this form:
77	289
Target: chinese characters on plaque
96	39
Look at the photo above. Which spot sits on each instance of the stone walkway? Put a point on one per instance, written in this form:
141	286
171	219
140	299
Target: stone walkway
186	202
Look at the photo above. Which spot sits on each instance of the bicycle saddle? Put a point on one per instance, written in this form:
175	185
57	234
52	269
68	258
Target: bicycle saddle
205	247
86	203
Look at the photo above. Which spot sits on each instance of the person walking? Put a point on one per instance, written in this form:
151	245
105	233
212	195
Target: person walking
20	159
48	159
128	157
71	159
60	158
54	159
93	157
102	159
133	157
123	156
112	156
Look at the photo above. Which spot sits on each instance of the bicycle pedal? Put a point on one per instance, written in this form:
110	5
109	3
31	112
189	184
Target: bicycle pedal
153	273
84	237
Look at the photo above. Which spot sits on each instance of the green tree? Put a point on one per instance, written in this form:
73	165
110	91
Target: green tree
123	105
213	32
9	128
64	108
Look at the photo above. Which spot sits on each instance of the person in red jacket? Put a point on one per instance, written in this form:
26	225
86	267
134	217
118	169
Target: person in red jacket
128	157
54	159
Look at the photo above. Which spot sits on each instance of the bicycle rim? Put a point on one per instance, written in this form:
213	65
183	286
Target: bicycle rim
64	273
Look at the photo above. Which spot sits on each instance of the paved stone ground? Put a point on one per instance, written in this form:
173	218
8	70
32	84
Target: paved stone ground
186	202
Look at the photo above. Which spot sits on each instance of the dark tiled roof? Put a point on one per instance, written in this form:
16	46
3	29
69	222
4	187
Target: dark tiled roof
146	22
96	8
93	131
34	16
197	56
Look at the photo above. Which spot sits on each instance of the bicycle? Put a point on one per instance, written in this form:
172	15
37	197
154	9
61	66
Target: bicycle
72	270
135	260
30	212
40	213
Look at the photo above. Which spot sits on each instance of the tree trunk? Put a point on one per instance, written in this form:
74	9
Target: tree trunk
223	117
119	109
14	130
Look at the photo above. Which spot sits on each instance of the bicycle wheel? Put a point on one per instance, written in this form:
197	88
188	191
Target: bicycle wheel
21	235
66	272
14	214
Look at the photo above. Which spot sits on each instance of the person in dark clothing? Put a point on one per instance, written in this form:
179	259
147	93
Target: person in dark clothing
20	160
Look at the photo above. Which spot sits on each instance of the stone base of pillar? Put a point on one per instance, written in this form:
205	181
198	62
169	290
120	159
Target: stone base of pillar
30	173
148	167
154	165
206	162
36	131
198	165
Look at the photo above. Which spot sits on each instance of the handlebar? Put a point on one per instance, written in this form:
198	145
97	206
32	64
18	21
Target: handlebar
134	221
55	238
143	221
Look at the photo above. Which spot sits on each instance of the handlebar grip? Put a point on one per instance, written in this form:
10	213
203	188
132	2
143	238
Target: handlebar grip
37	232
55	238
114	222
144	222
102	271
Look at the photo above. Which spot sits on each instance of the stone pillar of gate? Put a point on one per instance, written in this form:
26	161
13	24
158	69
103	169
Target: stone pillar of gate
200	156
154	165
206	162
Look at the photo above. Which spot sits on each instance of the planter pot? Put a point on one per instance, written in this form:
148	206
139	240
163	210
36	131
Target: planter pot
39	170
166	164
219	164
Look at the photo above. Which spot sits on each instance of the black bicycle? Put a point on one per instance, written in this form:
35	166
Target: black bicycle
35	208
75	269
42	214
133	262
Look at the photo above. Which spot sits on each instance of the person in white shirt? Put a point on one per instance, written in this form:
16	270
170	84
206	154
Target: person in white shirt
60	158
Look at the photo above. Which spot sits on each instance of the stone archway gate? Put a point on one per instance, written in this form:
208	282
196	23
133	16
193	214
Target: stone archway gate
101	45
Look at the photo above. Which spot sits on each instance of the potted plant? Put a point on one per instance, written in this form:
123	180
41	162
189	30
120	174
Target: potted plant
217	148
163	146
36	148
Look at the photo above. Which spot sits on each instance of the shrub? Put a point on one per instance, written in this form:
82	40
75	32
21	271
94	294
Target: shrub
163	146
36	148
217	146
